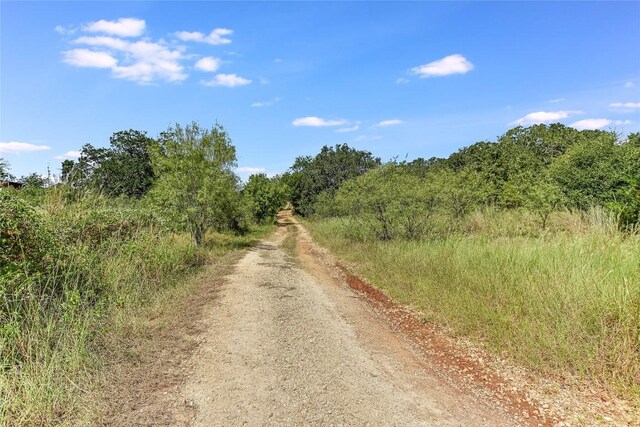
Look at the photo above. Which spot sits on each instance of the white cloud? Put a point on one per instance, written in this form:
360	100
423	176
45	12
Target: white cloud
227	80
103	41
277	60
151	62
266	103
142	61
15	147
317	122
544	117
590	124
208	63
391	122
89	58
69	155
629	85
402	80
250	170
216	37
625	106
555	101
123	27
349	129
452	64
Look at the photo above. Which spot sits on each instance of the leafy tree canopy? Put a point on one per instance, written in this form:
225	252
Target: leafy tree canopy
122	169
311	176
196	188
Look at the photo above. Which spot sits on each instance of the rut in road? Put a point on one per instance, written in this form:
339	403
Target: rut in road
285	346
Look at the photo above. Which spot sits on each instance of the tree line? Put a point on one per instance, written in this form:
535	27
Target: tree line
541	168
185	175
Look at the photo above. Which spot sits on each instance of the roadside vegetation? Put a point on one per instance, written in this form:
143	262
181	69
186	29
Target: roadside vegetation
528	244
128	225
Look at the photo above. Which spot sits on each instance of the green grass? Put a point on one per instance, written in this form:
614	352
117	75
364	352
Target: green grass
565	302
111	264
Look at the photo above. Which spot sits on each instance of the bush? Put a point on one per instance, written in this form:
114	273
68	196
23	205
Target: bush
27	251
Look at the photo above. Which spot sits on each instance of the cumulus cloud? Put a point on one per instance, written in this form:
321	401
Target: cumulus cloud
123	27
390	122
69	155
227	80
208	63
15	147
215	37
543	117
452	64
250	170
349	129
141	61
113	45
317	122
625	106
592	124
89	58
103	41
150	62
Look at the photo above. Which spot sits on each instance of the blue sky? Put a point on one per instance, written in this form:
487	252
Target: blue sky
405	79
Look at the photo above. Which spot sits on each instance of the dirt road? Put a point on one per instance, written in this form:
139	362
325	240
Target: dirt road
286	344
285	334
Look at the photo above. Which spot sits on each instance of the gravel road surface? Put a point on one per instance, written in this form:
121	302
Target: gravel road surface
288	345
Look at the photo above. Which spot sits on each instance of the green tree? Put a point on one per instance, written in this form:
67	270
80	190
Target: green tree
264	197
311	176
591	173
124	168
128	170
66	170
195	188
544	197
4	171
34	180
86	173
627	202
390	202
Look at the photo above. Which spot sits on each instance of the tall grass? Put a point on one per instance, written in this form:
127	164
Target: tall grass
108	258
564	300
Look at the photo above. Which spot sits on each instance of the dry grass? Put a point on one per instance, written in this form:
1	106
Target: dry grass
564	301
54	342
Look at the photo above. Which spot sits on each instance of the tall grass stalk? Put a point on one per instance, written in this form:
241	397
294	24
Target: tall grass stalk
565	301
110	260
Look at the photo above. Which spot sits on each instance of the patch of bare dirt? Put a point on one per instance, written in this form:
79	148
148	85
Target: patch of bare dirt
149	367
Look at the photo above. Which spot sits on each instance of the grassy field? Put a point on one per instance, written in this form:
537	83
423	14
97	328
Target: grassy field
105	263
566	300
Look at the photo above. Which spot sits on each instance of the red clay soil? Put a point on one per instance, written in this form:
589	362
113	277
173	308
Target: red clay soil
430	340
